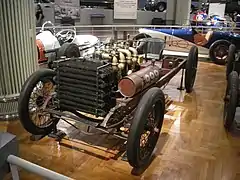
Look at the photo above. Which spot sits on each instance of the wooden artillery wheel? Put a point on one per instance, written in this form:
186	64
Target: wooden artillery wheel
145	128
191	69
231	99
230	59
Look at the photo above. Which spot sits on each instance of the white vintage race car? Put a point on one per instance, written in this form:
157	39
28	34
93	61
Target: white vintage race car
48	42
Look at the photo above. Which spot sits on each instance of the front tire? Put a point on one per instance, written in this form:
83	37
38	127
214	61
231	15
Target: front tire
25	114
153	101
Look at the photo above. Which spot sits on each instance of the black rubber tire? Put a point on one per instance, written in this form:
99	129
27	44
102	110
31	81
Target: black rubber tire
213	48
231	100
23	102
163	6
191	69
230	59
153	96
69	50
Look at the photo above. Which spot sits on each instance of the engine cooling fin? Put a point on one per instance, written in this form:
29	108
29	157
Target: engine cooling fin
84	85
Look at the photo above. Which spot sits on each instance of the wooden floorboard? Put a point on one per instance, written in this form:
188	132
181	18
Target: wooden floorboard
193	144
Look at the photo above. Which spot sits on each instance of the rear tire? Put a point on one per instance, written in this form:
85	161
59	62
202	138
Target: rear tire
231	99
67	50
161	6
214	47
230	59
153	99
191	69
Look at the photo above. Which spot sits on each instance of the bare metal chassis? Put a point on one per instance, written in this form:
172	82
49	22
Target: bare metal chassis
127	105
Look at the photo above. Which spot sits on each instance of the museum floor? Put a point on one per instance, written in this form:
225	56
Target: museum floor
193	144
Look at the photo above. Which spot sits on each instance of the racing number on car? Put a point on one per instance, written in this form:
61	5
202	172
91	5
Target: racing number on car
177	43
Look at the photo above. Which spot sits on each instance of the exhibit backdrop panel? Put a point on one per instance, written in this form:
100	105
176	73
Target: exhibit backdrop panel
217	9
70	8
125	9
18	55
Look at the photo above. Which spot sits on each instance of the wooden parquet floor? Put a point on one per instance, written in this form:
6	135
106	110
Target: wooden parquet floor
193	144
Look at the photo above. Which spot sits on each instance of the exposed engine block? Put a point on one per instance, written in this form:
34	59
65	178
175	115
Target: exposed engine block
124	58
85	86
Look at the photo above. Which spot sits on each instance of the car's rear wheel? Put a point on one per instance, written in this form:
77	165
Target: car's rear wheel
191	69
218	51
67	50
231	99
230	59
161	6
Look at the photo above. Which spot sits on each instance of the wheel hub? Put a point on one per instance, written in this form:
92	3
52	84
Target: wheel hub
41	99
151	131
221	52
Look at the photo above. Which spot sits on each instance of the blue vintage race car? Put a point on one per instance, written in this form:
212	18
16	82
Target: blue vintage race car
217	42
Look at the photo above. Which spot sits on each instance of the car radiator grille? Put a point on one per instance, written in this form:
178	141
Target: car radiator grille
85	86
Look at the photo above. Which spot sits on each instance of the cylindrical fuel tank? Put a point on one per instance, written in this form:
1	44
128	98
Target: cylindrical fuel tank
136	82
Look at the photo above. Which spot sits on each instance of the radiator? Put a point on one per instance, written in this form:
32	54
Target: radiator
86	86
18	56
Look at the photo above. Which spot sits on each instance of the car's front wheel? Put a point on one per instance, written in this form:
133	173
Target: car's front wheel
36	97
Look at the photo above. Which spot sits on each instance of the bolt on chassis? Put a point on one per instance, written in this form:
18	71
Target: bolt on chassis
116	90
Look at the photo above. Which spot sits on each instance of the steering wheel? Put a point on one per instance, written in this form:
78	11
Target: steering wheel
65	35
44	24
